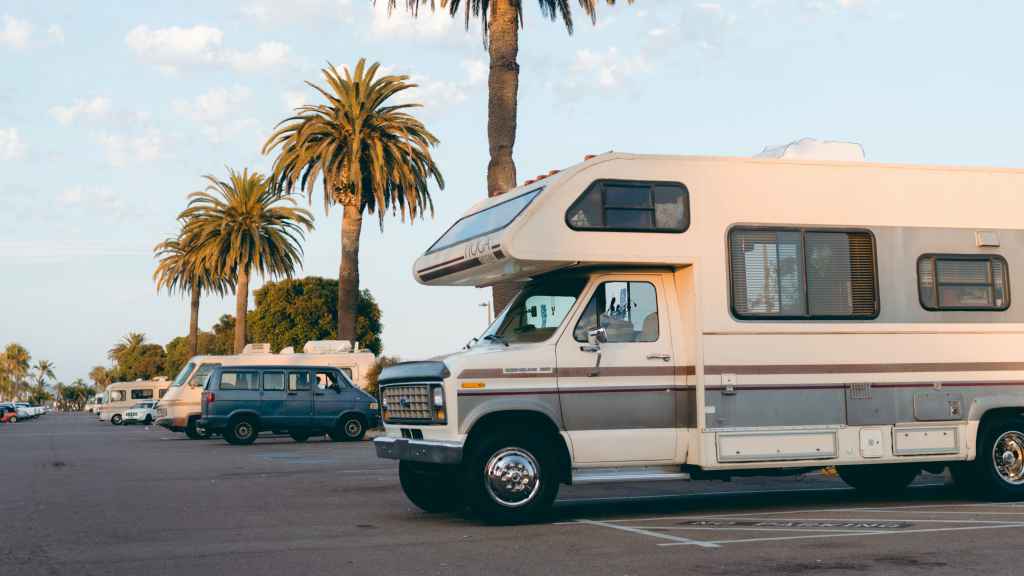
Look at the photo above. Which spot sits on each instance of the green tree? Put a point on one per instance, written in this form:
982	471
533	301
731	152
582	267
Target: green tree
75	396
372	377
134	358
101	377
370	156
38	394
43	371
293	312
179	270
178	352
16	362
241	225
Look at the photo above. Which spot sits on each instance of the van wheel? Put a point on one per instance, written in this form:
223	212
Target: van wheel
879	479
148	420
241	432
431	487
299	436
116	420
350	429
194	431
998	471
510	478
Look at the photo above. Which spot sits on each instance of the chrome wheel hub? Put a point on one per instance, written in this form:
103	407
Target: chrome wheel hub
512	477
244	430
353	427
1008	456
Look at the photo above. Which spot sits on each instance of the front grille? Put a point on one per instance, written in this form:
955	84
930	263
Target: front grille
407	403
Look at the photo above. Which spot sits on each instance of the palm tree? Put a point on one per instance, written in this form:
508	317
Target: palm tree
179	270
100	377
16	361
241	225
129	344
369	155
44	371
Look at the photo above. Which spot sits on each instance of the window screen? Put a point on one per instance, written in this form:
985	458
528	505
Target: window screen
631	206
963	282
239	381
802	274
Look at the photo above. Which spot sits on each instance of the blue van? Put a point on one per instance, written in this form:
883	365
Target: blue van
241	401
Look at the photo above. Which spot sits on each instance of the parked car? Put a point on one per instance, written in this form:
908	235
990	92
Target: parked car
302	401
8	413
144	412
24	410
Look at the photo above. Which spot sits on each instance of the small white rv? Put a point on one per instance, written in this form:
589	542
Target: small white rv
701	317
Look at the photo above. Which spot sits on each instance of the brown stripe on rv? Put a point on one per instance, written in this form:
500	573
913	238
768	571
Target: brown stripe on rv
765	369
463	265
445	263
598	390
580	372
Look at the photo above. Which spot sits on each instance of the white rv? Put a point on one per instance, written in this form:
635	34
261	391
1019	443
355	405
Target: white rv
121	396
181	408
701	317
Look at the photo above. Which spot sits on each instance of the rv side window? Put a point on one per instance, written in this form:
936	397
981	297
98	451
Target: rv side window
799	274
238	381
628	311
144	394
629	206
117	395
963	282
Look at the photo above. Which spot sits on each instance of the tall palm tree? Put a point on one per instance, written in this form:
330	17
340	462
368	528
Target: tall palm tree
178	270
100	377
44	370
241	225
501	21
16	361
369	155
128	345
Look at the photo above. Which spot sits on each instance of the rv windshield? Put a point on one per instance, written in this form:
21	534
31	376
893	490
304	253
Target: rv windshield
485	221
537	312
183	375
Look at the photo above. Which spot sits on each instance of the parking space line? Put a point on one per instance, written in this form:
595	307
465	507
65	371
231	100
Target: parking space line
902	520
750	529
833	535
676	540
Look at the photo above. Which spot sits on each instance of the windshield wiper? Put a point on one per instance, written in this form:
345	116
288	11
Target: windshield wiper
496	338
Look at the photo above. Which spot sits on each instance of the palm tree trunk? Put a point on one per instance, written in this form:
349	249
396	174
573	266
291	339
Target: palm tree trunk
193	324
348	273
502	99
241	307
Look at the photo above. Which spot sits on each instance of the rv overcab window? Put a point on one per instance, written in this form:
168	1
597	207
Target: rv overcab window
799	274
485	221
631	206
963	282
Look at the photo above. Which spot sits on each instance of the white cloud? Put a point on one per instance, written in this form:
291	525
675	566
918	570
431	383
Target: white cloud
11	146
121	150
606	69
55	33
216	112
294	98
707	25
266	56
70	196
168	49
401	25
97	107
302	11
15	33
436	95
476	71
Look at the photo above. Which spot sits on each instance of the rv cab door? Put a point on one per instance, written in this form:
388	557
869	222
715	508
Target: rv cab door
621	409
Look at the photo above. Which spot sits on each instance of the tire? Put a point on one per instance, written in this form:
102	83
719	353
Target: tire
241	432
349	429
510	478
879	479
194	431
116	419
148	420
431	487
13	420
997	472
299	436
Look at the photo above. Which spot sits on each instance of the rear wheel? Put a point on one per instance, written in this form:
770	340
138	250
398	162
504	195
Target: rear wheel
879	479
510	478
299	435
241	432
350	428
194	431
13	420
431	487
998	471
116	420
148	420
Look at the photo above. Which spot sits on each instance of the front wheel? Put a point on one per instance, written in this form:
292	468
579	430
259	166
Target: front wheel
431	487
148	420
349	429
241	432
510	478
879	479
998	471
116	420
194	431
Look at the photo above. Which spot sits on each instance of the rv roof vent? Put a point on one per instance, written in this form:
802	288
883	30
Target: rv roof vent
257	348
288	350
812	149
327	346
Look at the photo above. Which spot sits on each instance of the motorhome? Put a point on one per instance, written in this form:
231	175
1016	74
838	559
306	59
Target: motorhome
121	396
94	403
704	317
181	408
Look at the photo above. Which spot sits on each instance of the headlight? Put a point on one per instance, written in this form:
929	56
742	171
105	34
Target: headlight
438	397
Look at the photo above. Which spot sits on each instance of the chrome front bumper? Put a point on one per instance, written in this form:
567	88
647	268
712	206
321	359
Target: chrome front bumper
431	451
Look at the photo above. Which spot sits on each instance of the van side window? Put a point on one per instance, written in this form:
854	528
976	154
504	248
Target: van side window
963	282
628	311
631	206
273	381
144	394
799	274
298	381
238	380
328	379
347	372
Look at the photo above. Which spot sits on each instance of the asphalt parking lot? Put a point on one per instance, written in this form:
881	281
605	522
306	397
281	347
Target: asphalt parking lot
81	497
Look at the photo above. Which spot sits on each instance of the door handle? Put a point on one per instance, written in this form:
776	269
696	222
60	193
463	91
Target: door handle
293	393
656	356
319	394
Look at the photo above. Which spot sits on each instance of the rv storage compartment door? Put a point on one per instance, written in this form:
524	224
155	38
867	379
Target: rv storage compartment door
919	441
776	445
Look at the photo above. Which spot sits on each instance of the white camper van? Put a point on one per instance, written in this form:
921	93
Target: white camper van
701	317
181	408
120	396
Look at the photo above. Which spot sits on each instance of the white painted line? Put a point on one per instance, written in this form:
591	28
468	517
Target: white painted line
902	520
877	533
626	499
749	529
675	539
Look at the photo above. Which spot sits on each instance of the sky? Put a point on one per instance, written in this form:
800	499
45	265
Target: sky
111	113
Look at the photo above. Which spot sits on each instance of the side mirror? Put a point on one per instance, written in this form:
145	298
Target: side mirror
597	336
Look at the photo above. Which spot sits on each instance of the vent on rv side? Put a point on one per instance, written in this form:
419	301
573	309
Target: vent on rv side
812	149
